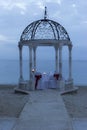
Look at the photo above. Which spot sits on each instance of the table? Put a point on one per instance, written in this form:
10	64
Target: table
46	81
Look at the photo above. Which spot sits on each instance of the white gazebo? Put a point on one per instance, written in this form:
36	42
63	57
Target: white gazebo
45	32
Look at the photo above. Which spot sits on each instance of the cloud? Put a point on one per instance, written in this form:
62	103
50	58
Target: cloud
11	5
17	14
74	5
40	4
85	22
55	1
4	39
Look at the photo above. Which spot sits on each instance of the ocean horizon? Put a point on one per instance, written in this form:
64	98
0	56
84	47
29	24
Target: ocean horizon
9	70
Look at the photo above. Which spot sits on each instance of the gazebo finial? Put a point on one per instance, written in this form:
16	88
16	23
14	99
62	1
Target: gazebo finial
45	13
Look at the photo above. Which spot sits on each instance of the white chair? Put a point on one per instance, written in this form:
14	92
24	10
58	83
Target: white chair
52	82
45	82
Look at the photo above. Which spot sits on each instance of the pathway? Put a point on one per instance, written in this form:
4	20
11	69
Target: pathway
45	110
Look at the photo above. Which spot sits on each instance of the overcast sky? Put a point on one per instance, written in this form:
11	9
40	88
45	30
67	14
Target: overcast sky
15	15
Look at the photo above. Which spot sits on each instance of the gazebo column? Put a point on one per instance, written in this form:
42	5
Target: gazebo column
60	60
56	59
30	62
70	62
20	60
34	58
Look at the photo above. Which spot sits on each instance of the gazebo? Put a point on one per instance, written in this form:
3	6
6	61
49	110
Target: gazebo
45	32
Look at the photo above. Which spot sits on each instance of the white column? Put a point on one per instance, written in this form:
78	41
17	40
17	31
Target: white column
34	58
60	60
20	60
70	62
30	62
56	59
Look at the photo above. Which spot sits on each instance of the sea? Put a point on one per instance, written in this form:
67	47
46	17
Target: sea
9	70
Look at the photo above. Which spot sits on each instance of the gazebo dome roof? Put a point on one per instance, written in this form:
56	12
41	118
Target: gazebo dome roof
44	29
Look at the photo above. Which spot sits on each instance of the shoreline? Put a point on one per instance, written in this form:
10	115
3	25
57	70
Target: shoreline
15	84
5	86
76	103
11	104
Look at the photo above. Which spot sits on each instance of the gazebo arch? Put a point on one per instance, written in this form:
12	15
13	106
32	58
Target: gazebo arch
45	32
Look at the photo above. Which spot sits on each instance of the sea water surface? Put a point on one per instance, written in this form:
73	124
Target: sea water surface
9	70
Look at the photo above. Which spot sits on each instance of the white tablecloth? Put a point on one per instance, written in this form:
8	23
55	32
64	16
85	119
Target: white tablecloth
47	82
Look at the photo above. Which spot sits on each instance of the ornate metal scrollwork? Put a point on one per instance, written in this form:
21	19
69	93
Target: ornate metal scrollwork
44	29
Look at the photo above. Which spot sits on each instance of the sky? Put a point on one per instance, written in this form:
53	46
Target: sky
15	15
